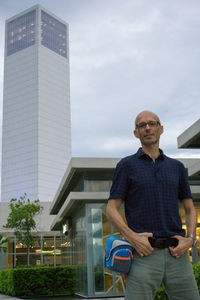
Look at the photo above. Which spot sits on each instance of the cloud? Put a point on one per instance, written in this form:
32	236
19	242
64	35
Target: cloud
145	60
127	56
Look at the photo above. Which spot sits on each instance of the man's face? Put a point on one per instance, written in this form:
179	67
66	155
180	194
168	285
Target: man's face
148	128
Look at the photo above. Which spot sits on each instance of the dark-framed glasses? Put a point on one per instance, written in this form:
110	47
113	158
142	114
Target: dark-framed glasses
151	124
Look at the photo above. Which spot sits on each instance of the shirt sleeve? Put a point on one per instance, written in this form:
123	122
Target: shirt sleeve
120	182
184	187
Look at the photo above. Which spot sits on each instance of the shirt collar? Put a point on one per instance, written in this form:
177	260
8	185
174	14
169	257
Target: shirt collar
140	153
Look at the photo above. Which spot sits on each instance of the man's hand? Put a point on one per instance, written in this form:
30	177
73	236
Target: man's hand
183	246
141	243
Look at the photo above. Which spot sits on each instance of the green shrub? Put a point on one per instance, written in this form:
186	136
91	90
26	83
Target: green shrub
38	281
161	295
34	281
196	268
6	282
30	266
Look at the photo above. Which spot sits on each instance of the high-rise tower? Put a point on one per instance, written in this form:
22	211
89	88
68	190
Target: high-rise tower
36	144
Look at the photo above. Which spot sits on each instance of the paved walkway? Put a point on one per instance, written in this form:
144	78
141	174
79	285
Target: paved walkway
5	297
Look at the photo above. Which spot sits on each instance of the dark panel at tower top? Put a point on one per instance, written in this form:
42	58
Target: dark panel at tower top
54	34
21	32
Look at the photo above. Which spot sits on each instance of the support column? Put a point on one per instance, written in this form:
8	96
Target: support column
41	243
195	257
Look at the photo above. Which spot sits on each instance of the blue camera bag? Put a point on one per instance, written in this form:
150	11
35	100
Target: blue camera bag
118	255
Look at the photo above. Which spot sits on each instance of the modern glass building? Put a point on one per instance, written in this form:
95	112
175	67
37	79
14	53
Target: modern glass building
190	139
36	145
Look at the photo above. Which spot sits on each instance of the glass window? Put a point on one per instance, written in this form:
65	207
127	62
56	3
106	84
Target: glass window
97	234
64	246
21	259
42	251
21	32
54	34
48	243
48	259
105	281
79	252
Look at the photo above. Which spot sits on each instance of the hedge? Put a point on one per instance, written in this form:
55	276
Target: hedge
38	281
35	281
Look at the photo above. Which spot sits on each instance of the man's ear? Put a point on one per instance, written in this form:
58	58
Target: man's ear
135	132
161	129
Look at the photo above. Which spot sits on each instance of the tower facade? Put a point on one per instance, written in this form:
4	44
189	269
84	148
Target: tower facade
36	140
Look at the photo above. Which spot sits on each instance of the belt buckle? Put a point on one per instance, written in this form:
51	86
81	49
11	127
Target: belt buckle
160	243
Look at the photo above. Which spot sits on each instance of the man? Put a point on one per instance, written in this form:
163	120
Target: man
151	184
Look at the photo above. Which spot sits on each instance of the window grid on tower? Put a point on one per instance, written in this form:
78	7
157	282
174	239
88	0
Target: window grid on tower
21	33
53	34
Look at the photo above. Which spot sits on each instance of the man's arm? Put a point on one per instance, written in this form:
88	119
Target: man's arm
190	216
191	223
138	240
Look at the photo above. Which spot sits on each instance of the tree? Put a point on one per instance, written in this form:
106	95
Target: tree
21	219
3	241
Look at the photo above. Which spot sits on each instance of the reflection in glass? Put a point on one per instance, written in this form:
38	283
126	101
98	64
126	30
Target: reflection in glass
79	252
96	214
114	283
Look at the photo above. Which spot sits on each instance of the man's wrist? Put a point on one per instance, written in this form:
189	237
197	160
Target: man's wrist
130	235
192	238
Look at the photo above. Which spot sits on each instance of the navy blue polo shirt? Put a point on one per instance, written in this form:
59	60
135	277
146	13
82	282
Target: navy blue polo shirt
151	192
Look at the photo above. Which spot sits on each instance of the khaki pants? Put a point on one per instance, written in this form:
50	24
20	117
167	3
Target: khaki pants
148	272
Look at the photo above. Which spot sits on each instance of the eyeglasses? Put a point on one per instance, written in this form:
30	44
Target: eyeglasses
151	124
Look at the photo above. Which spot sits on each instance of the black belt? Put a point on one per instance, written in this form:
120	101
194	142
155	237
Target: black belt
162	243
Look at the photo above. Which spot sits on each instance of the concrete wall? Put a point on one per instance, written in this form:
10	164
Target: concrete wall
19	141
54	130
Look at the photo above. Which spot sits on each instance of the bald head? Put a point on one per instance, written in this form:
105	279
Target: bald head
150	135
146	114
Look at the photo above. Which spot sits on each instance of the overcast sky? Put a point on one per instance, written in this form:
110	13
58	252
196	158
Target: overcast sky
126	56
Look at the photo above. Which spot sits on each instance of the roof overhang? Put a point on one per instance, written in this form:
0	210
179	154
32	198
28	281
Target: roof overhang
77	166
190	138
188	162
195	189
74	202
193	167
194	170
